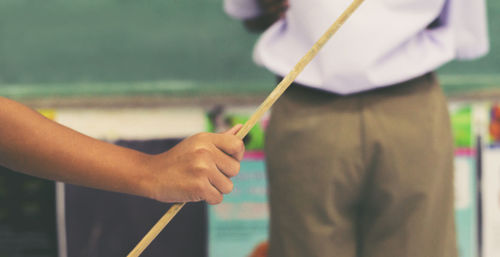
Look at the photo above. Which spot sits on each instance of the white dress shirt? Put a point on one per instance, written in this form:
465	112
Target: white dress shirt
384	42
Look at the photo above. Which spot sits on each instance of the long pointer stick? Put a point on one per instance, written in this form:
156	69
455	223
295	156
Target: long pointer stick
263	108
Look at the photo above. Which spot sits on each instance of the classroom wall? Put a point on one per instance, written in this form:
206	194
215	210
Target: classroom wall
116	47
57	49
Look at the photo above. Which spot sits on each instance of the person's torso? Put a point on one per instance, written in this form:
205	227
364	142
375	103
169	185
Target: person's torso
384	42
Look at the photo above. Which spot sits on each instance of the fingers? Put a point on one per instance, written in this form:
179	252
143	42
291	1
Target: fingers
226	154
221	170
213	174
222	183
203	190
198	168
226	164
233	130
222	158
230	144
213	196
209	182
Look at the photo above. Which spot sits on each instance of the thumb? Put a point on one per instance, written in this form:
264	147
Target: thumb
234	129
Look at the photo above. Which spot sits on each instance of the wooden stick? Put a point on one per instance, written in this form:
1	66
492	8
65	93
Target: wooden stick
261	110
292	75
156	229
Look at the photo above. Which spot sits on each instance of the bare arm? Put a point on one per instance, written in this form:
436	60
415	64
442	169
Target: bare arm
196	169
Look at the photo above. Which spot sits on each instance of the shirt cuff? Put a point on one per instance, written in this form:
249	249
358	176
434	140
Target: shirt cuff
242	9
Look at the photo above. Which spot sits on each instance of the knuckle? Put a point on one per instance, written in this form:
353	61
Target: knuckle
201	151
200	168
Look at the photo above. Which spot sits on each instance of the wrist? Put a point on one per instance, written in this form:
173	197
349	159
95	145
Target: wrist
142	176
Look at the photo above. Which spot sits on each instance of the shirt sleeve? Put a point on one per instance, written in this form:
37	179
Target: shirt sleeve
471	29
242	9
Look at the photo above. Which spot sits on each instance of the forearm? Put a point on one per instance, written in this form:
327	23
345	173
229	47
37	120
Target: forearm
34	145
196	169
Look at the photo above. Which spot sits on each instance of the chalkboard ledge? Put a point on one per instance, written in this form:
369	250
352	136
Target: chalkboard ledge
196	93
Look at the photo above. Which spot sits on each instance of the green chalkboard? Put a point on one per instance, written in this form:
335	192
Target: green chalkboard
95	47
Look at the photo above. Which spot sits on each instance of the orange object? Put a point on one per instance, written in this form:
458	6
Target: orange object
495	131
495	123
496	112
260	250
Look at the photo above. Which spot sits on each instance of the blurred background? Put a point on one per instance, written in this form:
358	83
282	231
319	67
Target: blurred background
124	47
145	74
91	47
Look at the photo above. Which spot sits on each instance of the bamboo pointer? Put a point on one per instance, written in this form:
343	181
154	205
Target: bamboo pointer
263	108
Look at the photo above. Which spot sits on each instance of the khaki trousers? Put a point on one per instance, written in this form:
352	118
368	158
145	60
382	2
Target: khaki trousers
364	175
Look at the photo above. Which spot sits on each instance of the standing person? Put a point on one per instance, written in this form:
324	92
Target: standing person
359	149
197	169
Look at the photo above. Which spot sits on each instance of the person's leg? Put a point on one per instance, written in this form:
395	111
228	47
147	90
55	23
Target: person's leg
313	156
408	199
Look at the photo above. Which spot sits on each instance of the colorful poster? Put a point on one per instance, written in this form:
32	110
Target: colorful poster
494	124
462	125
220	119
491	202
466	202
241	222
464	134
491	184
